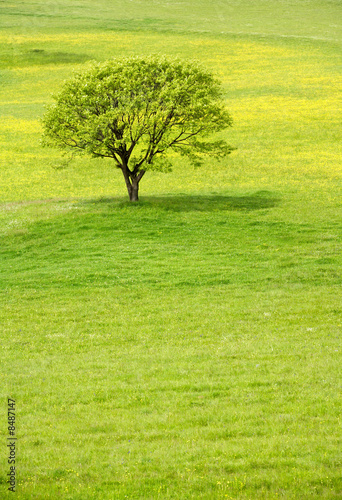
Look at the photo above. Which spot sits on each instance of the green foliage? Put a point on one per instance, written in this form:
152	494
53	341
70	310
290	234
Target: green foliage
136	110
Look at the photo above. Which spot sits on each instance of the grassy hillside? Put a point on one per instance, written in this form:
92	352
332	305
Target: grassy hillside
310	18
188	346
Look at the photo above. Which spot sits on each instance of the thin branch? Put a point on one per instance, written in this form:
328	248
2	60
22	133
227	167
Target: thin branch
142	172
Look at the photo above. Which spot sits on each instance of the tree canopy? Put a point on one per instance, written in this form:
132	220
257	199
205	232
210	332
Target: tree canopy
136	111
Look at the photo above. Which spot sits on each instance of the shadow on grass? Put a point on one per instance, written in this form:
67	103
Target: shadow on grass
41	57
192	203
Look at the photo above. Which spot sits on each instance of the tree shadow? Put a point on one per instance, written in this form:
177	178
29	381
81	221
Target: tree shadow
194	203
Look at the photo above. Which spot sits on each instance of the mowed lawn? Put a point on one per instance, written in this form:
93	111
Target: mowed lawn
188	346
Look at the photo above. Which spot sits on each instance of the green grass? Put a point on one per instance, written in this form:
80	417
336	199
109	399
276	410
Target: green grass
188	346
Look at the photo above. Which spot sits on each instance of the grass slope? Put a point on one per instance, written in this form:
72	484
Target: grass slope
188	346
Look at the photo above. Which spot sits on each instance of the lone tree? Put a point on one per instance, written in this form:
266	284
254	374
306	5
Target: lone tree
135	111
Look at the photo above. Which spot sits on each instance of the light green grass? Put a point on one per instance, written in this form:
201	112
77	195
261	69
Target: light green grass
185	348
189	346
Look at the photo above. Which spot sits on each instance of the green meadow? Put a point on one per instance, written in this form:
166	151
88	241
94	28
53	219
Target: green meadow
186	346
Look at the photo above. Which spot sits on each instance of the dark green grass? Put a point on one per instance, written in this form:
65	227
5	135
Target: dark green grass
168	242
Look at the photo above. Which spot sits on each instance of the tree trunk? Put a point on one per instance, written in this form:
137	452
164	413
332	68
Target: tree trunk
132	180
133	193
132	188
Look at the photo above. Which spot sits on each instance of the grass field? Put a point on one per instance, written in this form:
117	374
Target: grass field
188	346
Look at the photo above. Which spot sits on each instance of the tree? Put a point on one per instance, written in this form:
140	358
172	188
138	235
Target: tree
136	111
